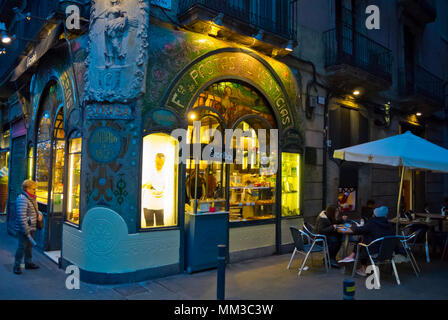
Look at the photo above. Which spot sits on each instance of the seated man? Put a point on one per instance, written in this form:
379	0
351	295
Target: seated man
375	228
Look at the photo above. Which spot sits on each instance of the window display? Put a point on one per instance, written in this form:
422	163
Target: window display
159	181
43	158
74	179
290	184
57	184
30	163
252	183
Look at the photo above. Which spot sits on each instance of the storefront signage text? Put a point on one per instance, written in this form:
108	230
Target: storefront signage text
239	65
109	111
164	118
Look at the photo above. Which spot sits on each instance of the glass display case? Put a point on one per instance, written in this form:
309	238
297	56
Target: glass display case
252	181
74	180
290	184
159	181
210	187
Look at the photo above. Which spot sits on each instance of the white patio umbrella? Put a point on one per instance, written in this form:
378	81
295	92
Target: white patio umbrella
405	150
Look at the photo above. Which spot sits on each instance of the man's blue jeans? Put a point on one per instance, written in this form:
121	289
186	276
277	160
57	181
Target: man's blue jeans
25	248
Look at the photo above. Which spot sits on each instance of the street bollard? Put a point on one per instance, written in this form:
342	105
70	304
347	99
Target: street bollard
349	289
221	285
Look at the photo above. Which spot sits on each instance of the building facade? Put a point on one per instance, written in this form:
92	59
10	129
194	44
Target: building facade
98	116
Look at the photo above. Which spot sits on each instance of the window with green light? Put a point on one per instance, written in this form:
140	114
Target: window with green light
290	184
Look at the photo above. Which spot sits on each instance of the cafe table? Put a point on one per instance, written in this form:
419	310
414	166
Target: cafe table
433	216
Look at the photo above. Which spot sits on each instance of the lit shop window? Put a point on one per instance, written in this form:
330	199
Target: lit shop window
74	179
159	181
43	151
57	185
29	171
252	181
290	184
205	180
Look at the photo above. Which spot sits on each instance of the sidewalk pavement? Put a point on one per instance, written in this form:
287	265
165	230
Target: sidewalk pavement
257	279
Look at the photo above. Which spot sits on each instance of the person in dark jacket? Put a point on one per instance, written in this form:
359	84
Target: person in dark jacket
27	215
375	228
326	224
367	211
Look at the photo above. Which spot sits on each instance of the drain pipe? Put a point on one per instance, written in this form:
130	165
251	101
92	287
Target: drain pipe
324	156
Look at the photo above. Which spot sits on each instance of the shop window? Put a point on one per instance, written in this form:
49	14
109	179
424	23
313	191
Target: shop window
4	162
57	185
4	143
74	178
252	183
290	184
43	151
159	181
250	192
205	179
30	163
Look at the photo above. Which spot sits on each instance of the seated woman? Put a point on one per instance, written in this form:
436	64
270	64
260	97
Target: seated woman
326	224
375	228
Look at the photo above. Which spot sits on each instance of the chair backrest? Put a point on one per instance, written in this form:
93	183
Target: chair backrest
308	228
297	238
387	247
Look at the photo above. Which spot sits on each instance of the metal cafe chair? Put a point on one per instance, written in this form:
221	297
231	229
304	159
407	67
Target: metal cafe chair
444	247
423	230
408	241
384	255
306	249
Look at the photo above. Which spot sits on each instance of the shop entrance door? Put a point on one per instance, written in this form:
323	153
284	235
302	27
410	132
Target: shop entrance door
55	214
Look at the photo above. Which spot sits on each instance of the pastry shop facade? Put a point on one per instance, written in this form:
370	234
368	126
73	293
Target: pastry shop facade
124	198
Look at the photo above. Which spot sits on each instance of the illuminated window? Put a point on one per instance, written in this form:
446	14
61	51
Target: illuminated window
159	181
290	184
43	151
252	179
51	100
57	194
74	178
29	171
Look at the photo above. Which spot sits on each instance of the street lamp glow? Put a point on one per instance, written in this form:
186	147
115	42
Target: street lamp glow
356	92
418	114
192	116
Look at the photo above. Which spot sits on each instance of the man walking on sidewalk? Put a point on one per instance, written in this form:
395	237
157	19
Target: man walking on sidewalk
27	216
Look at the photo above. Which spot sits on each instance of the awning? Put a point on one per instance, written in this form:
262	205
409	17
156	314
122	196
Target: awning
39	50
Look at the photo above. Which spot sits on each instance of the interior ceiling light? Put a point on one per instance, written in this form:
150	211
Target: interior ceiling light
418	114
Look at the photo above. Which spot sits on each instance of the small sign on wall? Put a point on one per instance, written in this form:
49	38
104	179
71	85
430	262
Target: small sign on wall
109	111
166	4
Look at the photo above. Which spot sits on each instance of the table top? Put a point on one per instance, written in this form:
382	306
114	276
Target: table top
431	215
405	221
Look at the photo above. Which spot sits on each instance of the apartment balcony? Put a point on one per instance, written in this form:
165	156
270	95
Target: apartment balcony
420	92
354	60
422	11
265	25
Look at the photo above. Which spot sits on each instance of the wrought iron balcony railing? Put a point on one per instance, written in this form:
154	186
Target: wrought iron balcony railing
421	82
272	16
355	49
